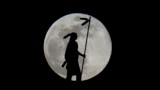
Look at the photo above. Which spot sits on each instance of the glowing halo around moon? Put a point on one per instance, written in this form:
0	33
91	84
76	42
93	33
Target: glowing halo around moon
99	46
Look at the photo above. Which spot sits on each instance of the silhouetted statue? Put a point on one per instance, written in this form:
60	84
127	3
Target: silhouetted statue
71	58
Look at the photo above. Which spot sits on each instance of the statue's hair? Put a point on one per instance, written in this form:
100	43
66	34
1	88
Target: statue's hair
73	34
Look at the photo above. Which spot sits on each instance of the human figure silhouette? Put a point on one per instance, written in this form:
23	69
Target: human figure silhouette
71	58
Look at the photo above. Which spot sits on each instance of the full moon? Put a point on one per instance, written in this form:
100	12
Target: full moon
98	50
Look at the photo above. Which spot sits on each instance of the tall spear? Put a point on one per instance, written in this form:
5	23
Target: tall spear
86	21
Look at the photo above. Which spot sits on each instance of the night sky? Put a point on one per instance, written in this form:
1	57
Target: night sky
26	23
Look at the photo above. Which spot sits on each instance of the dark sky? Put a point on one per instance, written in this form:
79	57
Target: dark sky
26	23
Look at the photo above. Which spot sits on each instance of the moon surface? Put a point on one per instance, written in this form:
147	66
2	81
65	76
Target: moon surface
99	46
